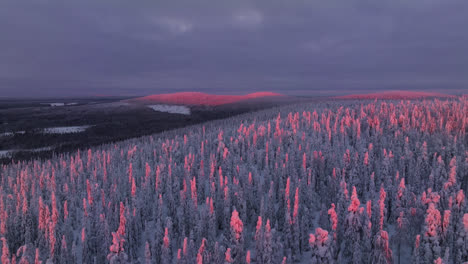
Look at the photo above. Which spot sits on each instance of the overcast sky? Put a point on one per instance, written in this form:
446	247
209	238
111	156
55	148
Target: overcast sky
139	47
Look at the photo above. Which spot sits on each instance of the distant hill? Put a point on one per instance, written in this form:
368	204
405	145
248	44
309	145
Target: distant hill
394	95
198	98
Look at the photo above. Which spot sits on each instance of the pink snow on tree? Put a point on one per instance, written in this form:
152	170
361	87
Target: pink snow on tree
382	196
130	173
200	252
267	226
446	221
5	252
83	234
383	241
147	172
417	241
88	190
286	190
134	188
117	243
366	158
296	205
227	255
433	221
369	208
157	180
321	236
166	238
4	215
333	217
312	239
36	258
401	188
354	206
452	180
193	189
236	225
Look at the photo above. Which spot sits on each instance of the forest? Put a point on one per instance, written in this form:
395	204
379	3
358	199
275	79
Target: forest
336	181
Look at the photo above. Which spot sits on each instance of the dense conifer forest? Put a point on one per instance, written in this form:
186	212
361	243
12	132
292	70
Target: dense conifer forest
338	181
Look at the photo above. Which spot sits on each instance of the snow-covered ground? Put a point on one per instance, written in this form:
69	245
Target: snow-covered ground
65	130
173	109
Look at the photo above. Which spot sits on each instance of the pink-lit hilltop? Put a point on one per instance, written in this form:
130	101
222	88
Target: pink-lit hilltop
198	98
395	94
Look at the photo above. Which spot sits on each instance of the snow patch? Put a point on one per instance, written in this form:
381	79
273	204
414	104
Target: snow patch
8	134
65	130
173	109
54	104
59	104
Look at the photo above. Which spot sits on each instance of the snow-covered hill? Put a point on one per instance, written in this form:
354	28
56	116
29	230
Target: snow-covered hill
198	98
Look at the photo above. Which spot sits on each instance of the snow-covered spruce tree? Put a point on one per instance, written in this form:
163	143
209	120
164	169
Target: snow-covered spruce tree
430	243
237	238
353	232
321	244
381	254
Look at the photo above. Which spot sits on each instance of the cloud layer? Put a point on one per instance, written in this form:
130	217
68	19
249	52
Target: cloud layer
52	47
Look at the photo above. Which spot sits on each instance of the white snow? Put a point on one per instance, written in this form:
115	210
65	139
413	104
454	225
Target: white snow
65	130
173	109
39	149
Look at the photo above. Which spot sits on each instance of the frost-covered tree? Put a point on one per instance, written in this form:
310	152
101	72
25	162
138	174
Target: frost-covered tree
321	244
